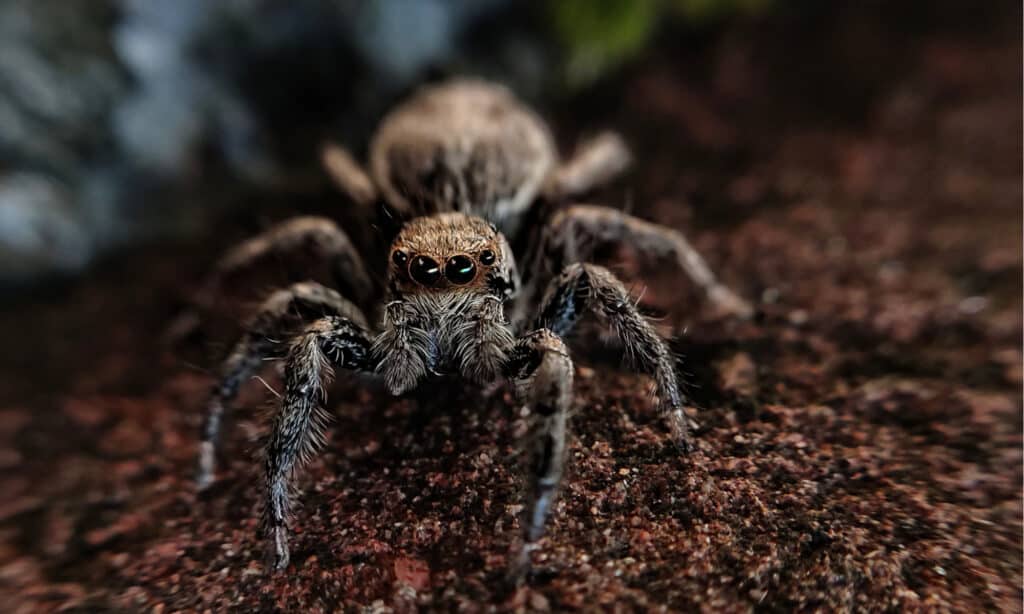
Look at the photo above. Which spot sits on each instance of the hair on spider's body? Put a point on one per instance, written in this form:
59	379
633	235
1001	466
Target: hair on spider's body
463	164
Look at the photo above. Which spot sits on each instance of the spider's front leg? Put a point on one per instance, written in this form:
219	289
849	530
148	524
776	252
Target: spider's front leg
317	234
541	371
283	309
583	288
573	235
298	426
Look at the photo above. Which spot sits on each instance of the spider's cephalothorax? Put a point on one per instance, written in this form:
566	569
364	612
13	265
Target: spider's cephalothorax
462	163
449	276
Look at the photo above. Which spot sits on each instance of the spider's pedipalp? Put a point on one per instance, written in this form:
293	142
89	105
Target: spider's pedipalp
402	351
583	288
261	339
298	426
573	235
481	341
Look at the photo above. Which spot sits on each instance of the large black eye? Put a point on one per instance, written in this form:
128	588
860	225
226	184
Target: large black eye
487	257
460	270
424	270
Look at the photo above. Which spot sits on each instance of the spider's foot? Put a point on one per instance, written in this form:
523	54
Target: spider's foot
204	473
519	566
278	557
680	431
730	303
684	445
184	326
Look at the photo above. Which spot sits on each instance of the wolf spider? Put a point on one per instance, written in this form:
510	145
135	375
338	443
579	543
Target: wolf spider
463	163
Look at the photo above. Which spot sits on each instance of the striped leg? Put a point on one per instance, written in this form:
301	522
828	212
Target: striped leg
573	234
583	288
298	426
542	373
283	310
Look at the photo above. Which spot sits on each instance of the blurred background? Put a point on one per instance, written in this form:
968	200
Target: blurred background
122	122
853	168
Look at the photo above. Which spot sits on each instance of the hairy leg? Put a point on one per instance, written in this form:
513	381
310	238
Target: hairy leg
320	235
542	373
348	175
298	426
284	309
573	234
596	161
583	288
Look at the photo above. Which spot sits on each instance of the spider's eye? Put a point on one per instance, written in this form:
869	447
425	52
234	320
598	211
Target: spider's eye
460	270
487	257
424	270
399	258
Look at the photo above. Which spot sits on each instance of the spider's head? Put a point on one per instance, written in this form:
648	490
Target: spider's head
451	252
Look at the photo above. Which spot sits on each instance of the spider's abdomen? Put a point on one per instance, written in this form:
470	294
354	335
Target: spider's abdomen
466	146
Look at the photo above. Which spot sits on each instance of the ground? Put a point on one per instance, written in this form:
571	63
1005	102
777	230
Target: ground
859	443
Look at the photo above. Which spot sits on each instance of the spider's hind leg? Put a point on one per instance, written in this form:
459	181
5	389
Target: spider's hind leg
281	311
595	162
573	235
583	288
348	175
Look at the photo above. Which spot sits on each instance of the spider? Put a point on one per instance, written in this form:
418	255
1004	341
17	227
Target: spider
463	164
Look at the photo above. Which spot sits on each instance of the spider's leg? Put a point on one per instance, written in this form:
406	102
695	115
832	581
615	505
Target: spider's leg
298	427
573	234
281	311
348	175
318	234
583	288
596	161
541	371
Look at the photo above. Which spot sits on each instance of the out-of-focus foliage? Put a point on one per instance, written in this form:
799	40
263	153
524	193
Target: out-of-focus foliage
699	12
599	35
107	107
117	116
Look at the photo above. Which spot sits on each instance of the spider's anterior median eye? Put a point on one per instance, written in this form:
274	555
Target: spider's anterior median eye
424	270
399	258
460	270
487	257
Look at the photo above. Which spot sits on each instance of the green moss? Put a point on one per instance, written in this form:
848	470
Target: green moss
600	34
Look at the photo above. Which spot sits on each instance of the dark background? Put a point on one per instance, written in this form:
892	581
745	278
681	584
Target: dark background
854	168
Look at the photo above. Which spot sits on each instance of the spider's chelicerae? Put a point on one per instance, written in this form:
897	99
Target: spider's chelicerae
463	163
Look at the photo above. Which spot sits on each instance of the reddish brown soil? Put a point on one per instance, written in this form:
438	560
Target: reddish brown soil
859	444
